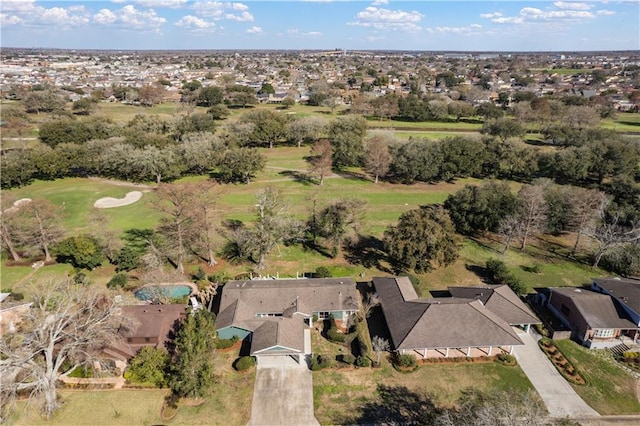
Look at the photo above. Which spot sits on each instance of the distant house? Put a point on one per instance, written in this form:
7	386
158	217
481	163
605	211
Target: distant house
625	291
445	327
596	320
150	325
274	315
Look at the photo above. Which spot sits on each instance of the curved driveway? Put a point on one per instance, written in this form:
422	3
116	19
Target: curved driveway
558	395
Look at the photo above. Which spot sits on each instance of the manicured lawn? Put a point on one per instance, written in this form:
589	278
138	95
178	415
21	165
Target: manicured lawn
610	390
425	125
435	135
339	394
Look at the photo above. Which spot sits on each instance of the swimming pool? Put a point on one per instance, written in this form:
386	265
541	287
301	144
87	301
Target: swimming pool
151	292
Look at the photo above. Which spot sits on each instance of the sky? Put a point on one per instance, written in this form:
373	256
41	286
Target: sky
472	25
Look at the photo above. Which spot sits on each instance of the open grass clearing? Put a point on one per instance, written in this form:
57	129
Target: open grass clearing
339	394
424	126
610	390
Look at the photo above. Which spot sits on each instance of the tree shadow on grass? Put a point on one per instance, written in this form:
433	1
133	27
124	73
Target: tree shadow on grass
396	405
368	252
297	176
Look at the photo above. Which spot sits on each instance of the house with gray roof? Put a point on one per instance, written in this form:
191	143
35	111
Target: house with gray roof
445	327
626	292
275	315
596	320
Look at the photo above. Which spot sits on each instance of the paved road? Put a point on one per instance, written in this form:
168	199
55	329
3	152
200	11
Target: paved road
283	395
557	394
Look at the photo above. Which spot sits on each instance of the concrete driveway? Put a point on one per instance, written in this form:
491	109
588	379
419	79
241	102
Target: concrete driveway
282	395
556	392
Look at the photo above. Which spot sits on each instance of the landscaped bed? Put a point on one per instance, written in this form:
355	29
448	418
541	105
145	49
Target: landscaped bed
557	358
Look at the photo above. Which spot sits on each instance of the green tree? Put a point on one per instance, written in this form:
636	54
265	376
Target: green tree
84	106
192	362
81	251
268	126
423	239
240	164
503	128
210	96
476	209
346	135
338	220
149	365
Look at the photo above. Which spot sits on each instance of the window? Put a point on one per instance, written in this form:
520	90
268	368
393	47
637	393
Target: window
604	332
323	315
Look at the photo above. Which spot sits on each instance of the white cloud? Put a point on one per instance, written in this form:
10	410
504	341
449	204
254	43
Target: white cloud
605	12
194	23
223	10
130	18
565	12
379	2
572	5
297	33
155	3
26	12
255	30
470	29
386	19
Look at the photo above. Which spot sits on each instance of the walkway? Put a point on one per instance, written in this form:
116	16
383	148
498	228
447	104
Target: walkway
558	395
283	395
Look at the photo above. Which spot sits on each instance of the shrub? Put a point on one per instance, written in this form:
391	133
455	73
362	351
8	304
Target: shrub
507	359
362	345
405	361
516	285
244	363
333	334
17	297
322	272
363	361
226	343
119	280
497	270
347	358
320	362
150	365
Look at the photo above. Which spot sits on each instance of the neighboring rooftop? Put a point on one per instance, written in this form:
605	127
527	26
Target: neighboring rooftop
625	290
599	310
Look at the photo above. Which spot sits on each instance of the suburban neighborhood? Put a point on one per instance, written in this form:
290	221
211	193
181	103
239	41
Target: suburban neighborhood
303	237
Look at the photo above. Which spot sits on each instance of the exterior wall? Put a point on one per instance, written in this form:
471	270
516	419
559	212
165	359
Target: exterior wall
573	319
229	332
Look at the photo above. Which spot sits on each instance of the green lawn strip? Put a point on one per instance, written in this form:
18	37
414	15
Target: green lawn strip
610	390
10	275
424	125
434	135
96	408
621	124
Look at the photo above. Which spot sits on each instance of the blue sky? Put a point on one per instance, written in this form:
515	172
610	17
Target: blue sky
323	24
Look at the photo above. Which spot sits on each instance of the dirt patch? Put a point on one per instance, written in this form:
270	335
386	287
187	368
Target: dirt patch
110	202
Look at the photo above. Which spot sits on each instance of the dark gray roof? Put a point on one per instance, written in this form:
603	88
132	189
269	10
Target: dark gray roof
278	332
439	322
500	300
242	300
626	291
599	310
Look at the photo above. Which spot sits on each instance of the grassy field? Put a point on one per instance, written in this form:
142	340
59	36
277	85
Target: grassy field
609	389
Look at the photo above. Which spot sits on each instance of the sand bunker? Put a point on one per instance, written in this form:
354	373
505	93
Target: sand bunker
17	204
109	202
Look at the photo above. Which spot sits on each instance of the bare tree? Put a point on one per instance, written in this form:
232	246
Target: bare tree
321	159
40	225
370	301
587	204
307	129
66	325
379	345
107	238
610	233
8	229
273	225
510	228
533	211
377	156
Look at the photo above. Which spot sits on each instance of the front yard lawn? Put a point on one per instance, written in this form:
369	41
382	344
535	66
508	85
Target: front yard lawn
609	390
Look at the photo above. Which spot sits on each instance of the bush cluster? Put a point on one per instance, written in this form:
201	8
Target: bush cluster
319	362
363	361
119	280
226	343
405	361
333	334
244	363
500	274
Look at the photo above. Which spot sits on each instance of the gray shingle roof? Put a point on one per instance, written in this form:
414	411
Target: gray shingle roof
282	332
625	290
599	310
439	322
500	300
